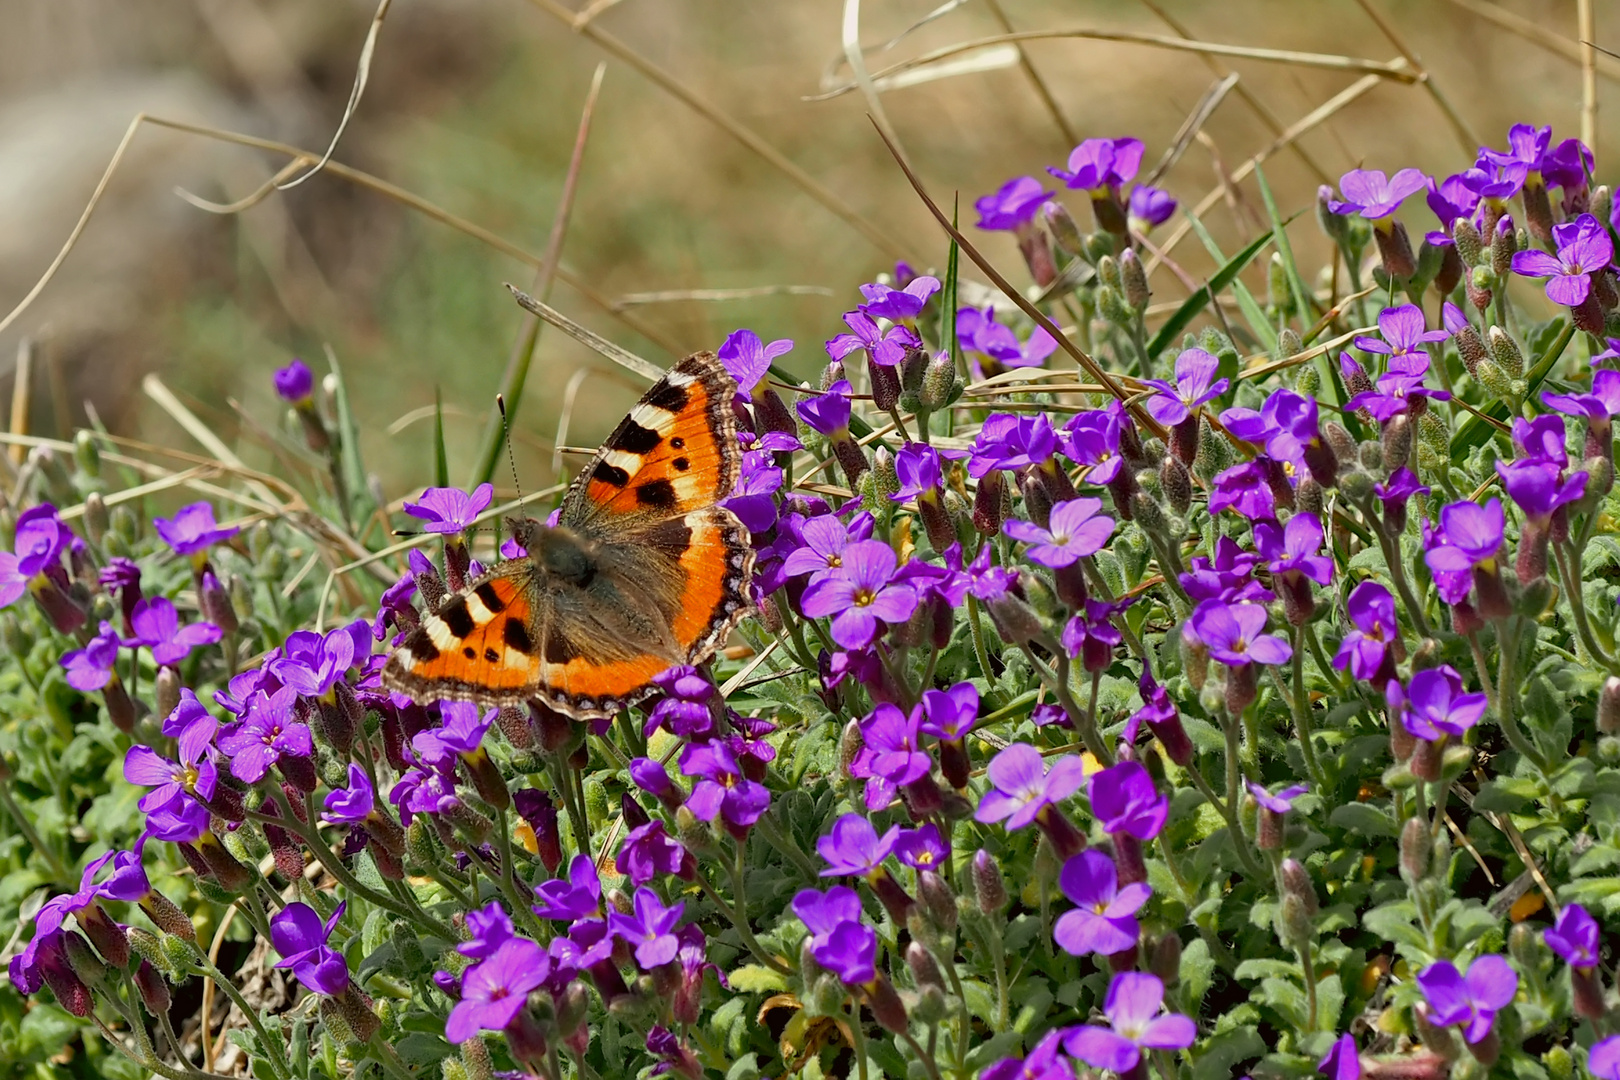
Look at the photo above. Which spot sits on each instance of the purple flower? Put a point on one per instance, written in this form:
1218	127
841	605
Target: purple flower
647	852
1472	1000
986	580
91	667
897	305
1451	199
1496	180
822	913
1401	486
1536	488
850	952
1598	407
823	540
1099	164
295	383
1473	537
747	358
1569	166
580	897
1104	919
193	774
156	624
1043	1063
1584	248
853	846
1013	206
1364	649
1396	388
39	541
351	805
300	937
1575	937
1132	1008
979	332
1021	788
722	789
1342	1061
1244	488
462	733
450	510
181	821
649	929
1371	194
923	849
1091	635
1527	146
1434	705
1280	803
1195	384
1149	206
1403	333
266	731
828	414
312	663
950	714
1123	799
1226	577
1233	634
1292	549
917	466
1073	531
1604	1060
892	756
1092	439
860	594
494	990
884	347
192	529
491	927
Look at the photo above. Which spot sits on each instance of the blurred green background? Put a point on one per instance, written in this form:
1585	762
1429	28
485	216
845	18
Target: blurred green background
473	104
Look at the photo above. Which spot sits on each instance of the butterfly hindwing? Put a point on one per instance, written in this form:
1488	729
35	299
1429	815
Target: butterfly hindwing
478	646
674	452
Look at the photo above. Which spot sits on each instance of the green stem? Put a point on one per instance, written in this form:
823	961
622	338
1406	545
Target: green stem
980	653
275	1048
1302	713
1569	570
59	873
1507	692
742	927
1058	682
926	1058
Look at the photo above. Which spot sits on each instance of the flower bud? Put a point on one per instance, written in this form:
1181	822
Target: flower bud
1560	1065
154	991
989	888
1395	247
1470	245
1415	850
1608	709
1241	688
1134	280
1176	482
924	971
1396	442
887	1008
1112	307
1504	245
1165	961
938	383
1296	881
1437	1038
885	386
1469	347
1063	228
1505	351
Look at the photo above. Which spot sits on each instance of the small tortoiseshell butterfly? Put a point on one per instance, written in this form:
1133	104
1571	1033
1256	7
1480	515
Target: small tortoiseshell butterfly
643	570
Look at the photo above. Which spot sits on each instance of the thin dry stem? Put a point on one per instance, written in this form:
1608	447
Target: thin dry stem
1042	91
856	59
1538	35
1470	142
22	389
733	127
623	357
1193	126
1587	25
670	296
361	74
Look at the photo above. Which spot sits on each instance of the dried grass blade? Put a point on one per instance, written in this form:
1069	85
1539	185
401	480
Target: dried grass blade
623	357
155	389
356	92
1538	35
1191	126
863	79
1042	91
1470	142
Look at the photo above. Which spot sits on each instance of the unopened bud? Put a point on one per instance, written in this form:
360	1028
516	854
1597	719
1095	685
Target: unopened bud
1112	307
989	888
154	991
1494	380
1176	482
989	510
1470	245
938	383
924	971
1396	249
1166	959
1608	710
1505	351
1064	231
1415	850
1504	244
1134	280
1396	442
1297	883
885	385
887	1008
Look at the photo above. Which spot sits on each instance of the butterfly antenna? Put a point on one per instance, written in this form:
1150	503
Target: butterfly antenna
506	434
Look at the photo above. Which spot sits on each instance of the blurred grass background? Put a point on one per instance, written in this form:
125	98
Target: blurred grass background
473	104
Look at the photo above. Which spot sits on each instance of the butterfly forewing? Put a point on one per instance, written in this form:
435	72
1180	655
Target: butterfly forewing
674	453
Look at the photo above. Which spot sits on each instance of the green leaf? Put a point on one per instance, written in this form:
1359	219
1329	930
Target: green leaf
441	461
980	999
1195	303
1197	971
947	313
352	465
1505	794
1394	922
1252	311
757	979
1475	431
1225	1050
1362	818
744	1068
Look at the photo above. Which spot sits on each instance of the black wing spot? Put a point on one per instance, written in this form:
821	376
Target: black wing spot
668	396
681	464
457	617
559	650
421	647
610	474
632	438
678	443
470	653
673	537
490	597
517	637
492	656
658	494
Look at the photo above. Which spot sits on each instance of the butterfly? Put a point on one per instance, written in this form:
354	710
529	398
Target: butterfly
642	571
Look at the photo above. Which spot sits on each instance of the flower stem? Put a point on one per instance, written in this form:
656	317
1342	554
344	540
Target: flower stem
1302	712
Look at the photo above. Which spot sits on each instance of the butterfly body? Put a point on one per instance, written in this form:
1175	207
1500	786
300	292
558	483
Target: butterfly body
643	570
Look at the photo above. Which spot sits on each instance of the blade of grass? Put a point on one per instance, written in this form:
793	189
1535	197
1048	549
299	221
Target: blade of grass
863	79
1587	32
351	463
155	389
1398	70
1475	431
1081	358
1191	126
947	313
1252	311
1189	309
516	375
1539	35
736	129
441	462
362	75
623	357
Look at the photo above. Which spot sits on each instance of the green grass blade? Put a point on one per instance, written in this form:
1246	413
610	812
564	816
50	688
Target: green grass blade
1253	313
947	314
352	466
1184	315
441	461
1475	431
